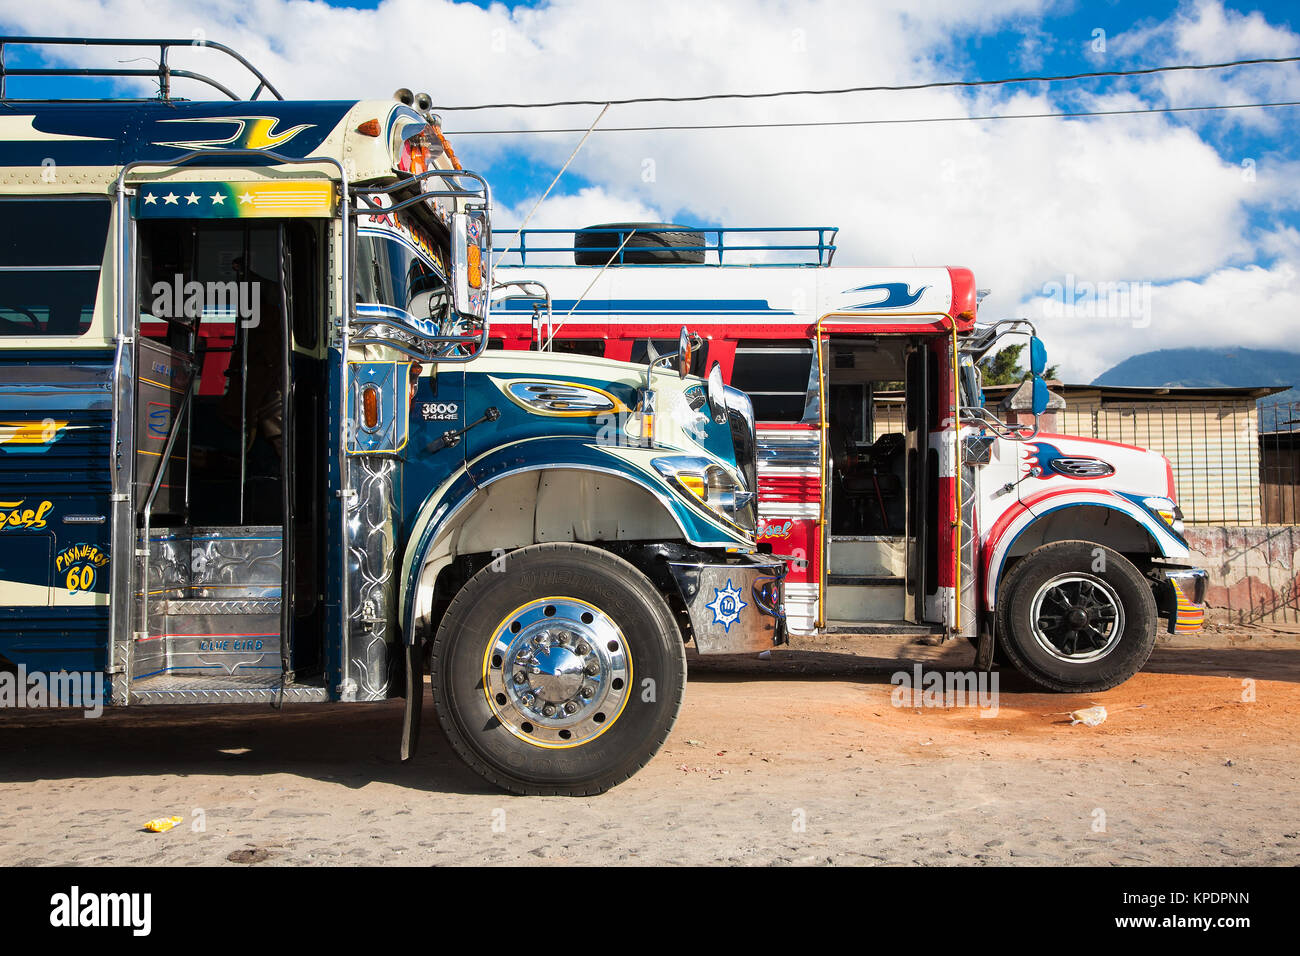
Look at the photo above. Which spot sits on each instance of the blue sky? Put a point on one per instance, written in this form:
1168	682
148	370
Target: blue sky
1199	211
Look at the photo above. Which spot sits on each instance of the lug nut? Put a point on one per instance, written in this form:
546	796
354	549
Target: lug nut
563	638
548	710
586	692
570	708
591	670
583	649
520	677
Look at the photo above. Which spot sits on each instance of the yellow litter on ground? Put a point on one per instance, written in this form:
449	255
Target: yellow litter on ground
162	824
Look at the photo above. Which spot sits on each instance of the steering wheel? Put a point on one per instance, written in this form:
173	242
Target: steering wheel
31	316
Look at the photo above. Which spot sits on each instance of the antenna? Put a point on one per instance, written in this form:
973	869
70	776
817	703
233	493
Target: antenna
576	149
578	302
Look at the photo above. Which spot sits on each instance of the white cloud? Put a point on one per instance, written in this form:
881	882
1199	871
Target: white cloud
1208	32
1023	203
1238	306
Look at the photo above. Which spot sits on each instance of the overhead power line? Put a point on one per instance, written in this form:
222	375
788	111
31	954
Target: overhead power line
942	84
875	122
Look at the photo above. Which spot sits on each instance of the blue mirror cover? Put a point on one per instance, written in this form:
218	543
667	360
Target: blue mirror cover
1037	356
1041	396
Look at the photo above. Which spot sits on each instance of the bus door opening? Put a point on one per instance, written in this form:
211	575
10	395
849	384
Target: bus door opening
238	307
870	546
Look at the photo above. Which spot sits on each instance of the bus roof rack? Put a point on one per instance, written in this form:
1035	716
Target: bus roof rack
162	72
702	246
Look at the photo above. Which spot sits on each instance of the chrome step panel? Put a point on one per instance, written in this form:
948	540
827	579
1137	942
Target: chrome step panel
218	637
870	555
881	629
214	604
199	608
206	689
864	580
882	602
220	563
235	563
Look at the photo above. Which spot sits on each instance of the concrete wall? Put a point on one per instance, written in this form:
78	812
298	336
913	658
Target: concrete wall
1254	572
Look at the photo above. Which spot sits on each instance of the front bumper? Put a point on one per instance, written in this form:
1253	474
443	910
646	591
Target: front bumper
736	606
1183	598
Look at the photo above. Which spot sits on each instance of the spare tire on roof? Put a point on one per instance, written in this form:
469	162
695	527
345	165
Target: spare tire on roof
652	242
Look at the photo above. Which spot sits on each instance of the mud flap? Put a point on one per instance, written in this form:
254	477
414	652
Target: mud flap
984	649
414	700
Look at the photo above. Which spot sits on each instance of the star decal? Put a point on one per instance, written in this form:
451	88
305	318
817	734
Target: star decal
245	198
192	199
150	199
726	606
170	200
218	199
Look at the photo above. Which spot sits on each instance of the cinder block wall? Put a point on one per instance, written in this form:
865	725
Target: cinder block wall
1254	572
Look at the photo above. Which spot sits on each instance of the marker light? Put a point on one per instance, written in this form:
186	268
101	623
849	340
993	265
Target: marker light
1169	512
474	262
369	128
370	406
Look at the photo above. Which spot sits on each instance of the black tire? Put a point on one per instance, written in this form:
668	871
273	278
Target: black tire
1084	579
496	735
653	242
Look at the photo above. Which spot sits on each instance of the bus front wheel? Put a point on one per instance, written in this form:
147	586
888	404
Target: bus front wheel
558	669
1074	616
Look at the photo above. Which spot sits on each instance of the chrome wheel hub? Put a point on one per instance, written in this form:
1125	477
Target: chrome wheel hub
1077	618
557	673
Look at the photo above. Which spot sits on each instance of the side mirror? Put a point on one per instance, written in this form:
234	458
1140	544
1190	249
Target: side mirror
1041	397
971	382
684	353
470	266
1037	355
717	394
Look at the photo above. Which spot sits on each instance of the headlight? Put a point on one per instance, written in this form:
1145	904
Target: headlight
1169	512
707	483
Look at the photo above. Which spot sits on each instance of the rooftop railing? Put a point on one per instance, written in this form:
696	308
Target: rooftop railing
723	246
163	71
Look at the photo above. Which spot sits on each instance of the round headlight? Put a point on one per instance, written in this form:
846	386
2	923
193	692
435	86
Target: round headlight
717	394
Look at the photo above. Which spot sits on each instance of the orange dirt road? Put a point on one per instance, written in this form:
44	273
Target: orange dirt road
800	759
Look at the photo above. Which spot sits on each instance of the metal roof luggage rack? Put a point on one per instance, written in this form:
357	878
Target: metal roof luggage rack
162	72
753	246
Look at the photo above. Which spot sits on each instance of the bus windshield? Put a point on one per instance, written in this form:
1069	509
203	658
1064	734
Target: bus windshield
393	275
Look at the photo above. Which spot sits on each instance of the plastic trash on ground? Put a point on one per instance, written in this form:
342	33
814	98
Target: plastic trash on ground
162	824
1088	716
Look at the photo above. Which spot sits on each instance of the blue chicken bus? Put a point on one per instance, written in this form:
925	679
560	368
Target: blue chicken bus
253	448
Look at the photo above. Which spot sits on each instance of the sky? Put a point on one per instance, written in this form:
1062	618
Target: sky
1188	223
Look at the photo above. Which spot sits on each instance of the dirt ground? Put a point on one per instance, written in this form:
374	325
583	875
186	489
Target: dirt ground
800	759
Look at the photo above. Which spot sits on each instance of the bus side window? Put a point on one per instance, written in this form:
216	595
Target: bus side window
304	282
775	375
593	347
50	257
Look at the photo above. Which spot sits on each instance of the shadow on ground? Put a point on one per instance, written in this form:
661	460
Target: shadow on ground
356	745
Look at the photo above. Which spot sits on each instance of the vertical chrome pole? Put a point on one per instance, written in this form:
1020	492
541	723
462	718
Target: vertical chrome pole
345	314
243	421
